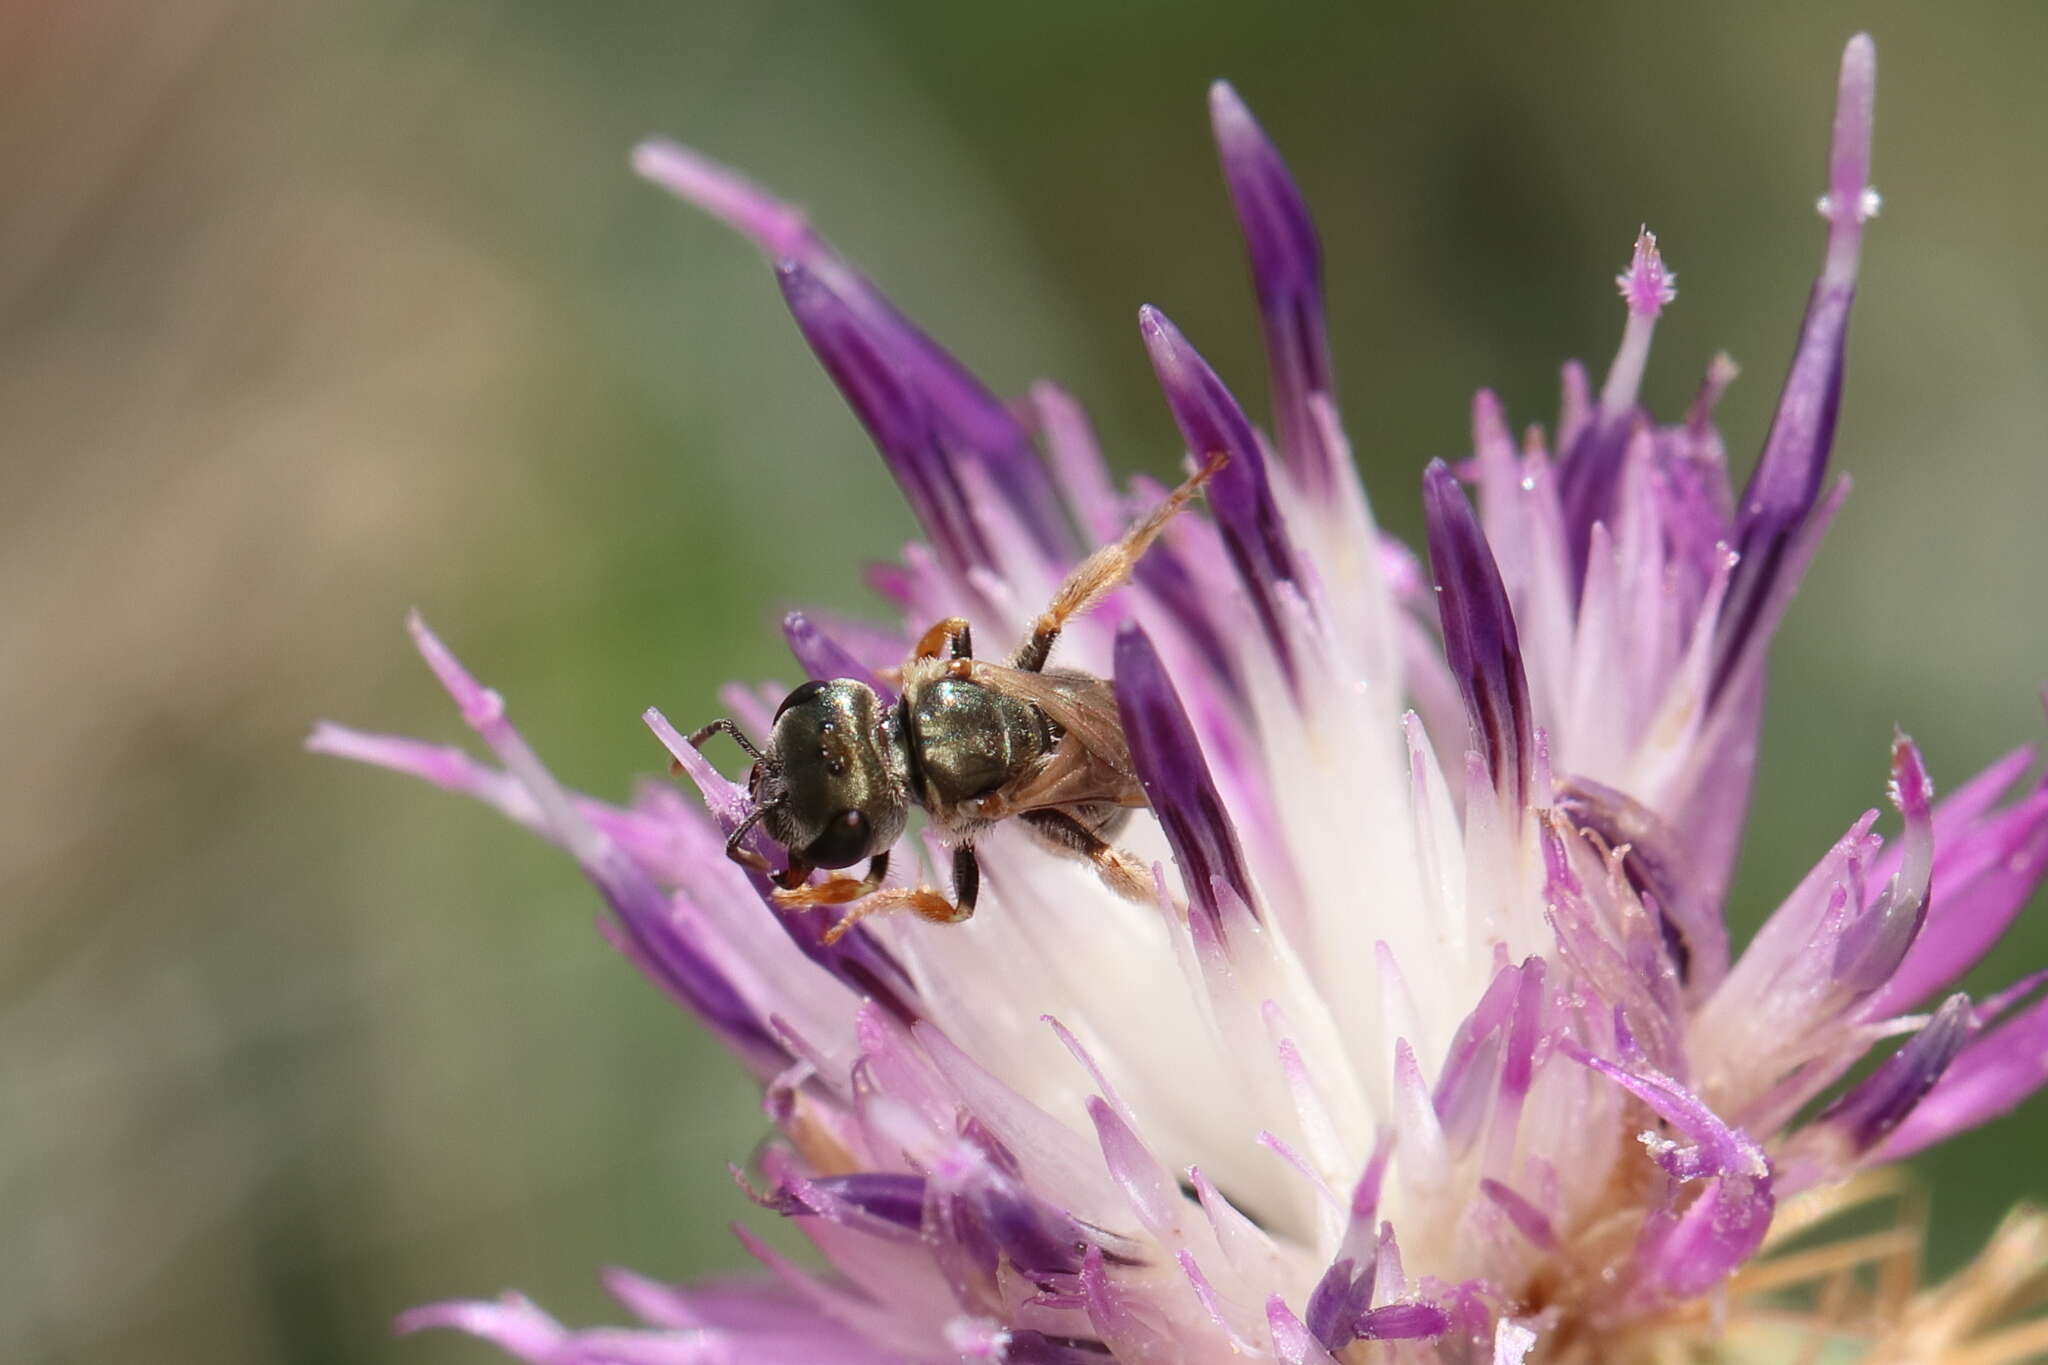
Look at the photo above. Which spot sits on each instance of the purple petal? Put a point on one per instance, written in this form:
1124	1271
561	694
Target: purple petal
1131	1322
1574	403
1876	942
1365	1195
1518	1061
1990	1077
1695	509
1337	1302
641	908
895	1201
1682	1255
1167	575
1076	461
1983	873
737	1302
1292	1340
1687	1248
1694	936
1471	1067
1387	1265
443	765
986	1220
517	1327
969	419
1529	1220
1287	274
1787	480
1152	1195
512	1323
895	410
1884	1098
820	656
1211	421
1479	634
1176	778
1715	1148
1973	800
1403	1322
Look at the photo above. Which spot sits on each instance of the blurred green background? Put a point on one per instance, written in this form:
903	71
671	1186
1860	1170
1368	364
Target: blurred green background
310	312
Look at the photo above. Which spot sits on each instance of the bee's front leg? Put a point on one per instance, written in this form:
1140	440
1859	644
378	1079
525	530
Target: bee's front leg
834	890
926	902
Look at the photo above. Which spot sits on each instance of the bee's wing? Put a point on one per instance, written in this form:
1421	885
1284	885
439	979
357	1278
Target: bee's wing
1092	762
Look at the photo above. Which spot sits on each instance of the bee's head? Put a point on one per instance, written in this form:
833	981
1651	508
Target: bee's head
831	785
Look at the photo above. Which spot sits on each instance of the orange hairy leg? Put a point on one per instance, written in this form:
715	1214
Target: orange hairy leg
1101	573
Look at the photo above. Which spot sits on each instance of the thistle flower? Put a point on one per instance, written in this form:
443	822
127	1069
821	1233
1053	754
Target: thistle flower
1433	1037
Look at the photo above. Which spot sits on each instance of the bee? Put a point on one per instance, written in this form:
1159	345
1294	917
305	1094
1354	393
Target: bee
969	741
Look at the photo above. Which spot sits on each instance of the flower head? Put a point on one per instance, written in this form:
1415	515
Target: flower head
1430	1033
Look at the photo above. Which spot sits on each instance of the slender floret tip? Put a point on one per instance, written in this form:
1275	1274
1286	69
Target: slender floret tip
1287	275
1646	284
1850	200
1911	787
1480	643
871	348
1212	422
1781	510
481	707
1231	119
779	228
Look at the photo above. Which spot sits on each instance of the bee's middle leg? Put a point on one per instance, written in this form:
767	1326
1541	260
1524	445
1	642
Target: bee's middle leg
1121	872
927	903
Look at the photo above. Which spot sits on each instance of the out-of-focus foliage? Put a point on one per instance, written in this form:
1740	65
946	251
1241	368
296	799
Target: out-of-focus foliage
313	311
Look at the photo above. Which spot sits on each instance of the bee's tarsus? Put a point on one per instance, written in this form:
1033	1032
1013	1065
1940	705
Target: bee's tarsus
1104	571
724	725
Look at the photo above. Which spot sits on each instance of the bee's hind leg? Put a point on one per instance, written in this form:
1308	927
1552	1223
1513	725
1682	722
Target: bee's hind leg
927	903
1121	872
1101	573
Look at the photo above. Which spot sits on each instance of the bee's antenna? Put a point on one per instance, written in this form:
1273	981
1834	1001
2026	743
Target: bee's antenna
722	724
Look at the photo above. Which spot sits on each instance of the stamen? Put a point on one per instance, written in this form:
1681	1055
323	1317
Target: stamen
1647	287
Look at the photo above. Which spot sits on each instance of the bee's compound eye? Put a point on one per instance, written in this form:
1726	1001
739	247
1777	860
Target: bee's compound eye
802	694
845	841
